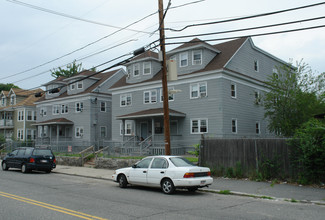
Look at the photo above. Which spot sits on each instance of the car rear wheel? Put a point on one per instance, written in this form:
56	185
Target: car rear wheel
5	166
167	186
24	168
122	181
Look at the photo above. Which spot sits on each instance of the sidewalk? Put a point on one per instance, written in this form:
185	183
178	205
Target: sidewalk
286	192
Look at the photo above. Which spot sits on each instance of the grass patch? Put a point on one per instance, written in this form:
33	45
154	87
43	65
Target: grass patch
293	200
225	192
266	197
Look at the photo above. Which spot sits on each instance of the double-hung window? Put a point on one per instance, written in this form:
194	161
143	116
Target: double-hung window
72	86
21	115
257	127
126	100
197	57
256	66
43	111
103	131
170	96
198	90
136	69
234	126
103	106
127	128
30	115
20	134
183	57
199	126
150	97
233	90
56	109
79	132
146	68
79	85
64	109
79	106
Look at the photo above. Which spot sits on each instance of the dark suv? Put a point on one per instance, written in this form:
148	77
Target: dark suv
28	159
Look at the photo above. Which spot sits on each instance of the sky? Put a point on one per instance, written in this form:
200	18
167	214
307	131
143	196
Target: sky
46	34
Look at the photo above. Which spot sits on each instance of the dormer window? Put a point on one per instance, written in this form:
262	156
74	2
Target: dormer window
72	86
12	99
183	57
197	57
136	69
3	101
146	68
79	85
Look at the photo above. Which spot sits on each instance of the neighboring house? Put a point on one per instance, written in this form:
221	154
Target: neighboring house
18	114
79	115
217	94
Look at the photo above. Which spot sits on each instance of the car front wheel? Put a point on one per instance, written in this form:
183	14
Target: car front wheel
5	166
167	186
122	181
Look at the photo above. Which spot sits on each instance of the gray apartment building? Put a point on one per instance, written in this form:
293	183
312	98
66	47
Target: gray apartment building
217	93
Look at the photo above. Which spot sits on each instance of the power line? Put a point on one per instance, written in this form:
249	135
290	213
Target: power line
70	16
247	17
247	29
251	35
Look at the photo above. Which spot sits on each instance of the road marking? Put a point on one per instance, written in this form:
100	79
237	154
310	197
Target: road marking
51	207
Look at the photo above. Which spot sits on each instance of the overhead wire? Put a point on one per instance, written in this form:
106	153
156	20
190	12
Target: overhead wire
70	16
247	29
246	17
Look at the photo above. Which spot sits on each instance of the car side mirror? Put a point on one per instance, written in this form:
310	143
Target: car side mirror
134	166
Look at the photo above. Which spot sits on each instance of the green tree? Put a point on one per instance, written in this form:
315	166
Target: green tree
295	95
71	70
308	154
7	87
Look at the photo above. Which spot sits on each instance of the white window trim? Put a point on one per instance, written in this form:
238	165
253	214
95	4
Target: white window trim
81	107
236	125
32	115
43	111
13	99
100	130
199	93
21	115
80	83
150	96
125	128
125	96
65	109
199	125
235	90
193	63
56	109
259	127
72	86
77	131
20	134
136	66
171	95
101	106
257	66
144	64
180	59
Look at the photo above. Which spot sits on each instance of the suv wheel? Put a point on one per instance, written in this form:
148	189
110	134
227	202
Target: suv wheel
4	166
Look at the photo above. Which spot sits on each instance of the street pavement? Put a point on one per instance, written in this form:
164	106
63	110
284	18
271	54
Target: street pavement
242	187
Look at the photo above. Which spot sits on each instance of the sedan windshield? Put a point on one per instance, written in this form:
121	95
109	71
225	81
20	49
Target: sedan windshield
181	162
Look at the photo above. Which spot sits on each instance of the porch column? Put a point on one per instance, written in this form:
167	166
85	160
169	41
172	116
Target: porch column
123	129
152	129
57	135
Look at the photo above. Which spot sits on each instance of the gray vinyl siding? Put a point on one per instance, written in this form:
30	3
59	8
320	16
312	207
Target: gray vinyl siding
155	68
207	56
243	62
86	83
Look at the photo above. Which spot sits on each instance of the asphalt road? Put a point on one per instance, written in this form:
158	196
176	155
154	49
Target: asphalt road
56	196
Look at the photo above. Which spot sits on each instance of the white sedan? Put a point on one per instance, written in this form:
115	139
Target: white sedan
166	172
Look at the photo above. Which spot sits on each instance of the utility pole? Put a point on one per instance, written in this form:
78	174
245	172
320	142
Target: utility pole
164	77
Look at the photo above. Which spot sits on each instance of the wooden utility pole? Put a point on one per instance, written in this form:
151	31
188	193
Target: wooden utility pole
164	77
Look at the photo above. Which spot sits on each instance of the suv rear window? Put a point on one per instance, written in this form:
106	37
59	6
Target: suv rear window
42	152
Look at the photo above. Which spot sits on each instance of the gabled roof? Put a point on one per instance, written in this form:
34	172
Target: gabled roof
145	56
83	74
151	113
101	78
28	101
59	80
227	51
193	44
